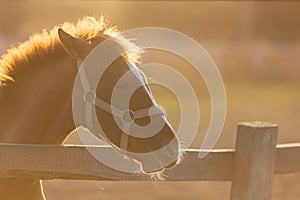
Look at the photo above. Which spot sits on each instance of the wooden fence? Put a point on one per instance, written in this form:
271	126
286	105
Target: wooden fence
250	166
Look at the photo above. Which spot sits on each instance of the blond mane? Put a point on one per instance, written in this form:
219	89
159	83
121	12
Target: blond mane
39	47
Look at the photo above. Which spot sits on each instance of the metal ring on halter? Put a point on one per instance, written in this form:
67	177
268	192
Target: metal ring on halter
89	97
129	114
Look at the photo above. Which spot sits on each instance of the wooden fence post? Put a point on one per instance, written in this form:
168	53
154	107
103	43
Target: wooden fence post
254	161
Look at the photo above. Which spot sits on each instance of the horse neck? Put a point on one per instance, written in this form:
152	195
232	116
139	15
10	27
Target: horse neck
37	107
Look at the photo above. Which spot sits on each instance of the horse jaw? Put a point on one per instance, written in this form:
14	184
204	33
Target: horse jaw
156	161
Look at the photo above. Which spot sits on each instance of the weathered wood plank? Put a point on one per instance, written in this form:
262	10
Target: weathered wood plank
216	166
254	161
287	158
75	162
51	162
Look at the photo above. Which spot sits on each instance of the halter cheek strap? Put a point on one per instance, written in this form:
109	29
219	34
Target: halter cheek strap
127	117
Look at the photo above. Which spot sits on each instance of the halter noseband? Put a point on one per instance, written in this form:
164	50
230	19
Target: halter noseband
127	116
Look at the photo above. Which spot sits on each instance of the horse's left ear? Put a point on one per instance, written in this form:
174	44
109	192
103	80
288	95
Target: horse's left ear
76	47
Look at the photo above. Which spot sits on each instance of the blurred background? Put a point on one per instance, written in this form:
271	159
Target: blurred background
256	46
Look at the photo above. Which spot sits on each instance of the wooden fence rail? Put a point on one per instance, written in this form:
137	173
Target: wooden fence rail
250	166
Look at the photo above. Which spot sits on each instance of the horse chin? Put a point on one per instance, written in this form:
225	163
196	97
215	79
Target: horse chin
154	163
158	174
158	164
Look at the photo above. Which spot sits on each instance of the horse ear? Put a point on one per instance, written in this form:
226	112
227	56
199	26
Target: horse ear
76	47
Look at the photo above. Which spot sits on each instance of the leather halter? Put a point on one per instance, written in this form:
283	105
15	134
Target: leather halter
127	117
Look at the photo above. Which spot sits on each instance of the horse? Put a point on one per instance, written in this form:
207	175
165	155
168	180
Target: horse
36	83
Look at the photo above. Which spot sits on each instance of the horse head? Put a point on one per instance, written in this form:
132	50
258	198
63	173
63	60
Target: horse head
140	130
